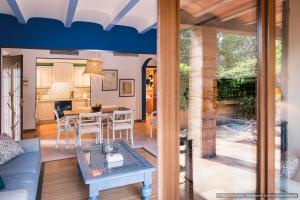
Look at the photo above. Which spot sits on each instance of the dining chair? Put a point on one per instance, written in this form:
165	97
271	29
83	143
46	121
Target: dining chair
70	122
152	121
65	124
106	117
89	123
121	120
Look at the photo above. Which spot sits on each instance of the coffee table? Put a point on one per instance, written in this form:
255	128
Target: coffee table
93	168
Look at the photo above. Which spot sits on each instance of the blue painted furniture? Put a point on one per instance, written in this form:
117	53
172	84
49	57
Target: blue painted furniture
21	175
98	176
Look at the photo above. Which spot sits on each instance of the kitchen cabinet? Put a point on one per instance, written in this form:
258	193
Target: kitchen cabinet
77	103
43	77
62	72
45	110
80	79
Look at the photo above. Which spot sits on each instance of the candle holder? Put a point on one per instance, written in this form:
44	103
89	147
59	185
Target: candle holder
110	147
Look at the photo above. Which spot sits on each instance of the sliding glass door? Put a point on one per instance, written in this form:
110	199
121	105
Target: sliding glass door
287	137
218	74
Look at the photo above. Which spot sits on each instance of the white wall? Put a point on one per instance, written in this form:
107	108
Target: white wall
293	79
128	67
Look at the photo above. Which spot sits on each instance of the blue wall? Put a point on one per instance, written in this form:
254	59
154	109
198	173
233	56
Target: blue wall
41	33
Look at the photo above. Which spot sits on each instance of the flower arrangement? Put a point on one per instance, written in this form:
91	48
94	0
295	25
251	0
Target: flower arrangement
96	107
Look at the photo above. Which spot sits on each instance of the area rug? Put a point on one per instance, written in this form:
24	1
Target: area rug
61	181
49	153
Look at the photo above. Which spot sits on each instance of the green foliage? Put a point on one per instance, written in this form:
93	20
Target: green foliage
234	50
247	107
185	42
278	48
245	69
184	86
235	89
237	71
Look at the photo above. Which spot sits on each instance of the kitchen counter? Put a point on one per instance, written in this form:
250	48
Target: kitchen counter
45	107
74	99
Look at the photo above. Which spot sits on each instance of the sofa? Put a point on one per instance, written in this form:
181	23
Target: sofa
21	174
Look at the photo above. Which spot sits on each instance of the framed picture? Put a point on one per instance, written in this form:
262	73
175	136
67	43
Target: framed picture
127	88
110	80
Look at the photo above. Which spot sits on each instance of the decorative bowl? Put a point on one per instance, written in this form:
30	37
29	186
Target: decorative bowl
96	107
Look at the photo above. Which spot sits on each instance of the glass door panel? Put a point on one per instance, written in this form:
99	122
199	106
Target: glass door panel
287	137
218	74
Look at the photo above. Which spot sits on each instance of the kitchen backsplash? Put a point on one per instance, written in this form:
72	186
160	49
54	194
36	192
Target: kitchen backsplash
63	91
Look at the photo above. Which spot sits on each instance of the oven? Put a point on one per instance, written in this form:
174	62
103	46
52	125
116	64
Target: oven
61	106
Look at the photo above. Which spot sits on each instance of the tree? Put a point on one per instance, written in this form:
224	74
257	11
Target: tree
236	51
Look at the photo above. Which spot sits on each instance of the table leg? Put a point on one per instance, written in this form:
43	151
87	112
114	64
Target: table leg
78	170
94	198
93	192
146	192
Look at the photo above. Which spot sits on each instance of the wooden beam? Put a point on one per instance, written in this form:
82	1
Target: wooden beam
168	100
266	97
239	13
250	23
213	7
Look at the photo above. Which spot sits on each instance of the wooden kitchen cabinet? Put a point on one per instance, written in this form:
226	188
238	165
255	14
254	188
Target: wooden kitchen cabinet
79	103
43	77
62	72
80	79
45	110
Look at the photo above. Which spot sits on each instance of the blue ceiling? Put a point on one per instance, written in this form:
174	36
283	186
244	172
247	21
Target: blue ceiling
41	33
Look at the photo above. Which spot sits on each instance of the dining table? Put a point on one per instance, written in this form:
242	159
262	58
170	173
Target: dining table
71	116
103	110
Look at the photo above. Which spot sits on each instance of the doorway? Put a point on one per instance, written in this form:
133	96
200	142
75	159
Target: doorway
12	96
151	88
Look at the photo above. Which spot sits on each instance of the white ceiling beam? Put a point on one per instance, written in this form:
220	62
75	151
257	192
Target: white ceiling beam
152	26
16	10
121	14
71	12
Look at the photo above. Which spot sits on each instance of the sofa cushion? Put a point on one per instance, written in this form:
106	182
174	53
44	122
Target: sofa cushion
27	162
9	149
27	181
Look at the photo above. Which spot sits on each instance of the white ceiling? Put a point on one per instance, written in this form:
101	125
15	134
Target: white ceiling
139	14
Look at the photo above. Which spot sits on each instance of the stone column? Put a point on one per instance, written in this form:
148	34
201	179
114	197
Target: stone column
203	91
202	99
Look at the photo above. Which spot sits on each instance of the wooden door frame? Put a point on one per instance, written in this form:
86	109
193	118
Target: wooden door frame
168	128
266	97
168	100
